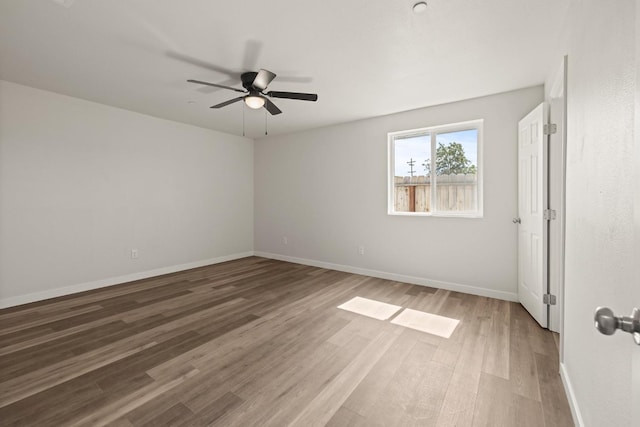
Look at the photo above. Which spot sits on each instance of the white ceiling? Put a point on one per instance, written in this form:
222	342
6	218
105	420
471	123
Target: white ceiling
364	58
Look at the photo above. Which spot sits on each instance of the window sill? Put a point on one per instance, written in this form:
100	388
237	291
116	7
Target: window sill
476	215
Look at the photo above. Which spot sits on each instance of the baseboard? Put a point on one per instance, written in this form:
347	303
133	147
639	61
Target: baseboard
67	290
571	397
507	296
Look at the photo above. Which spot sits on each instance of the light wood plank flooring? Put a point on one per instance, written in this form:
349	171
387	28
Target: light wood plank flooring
258	342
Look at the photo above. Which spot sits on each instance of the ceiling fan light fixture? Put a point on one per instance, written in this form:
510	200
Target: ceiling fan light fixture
254	101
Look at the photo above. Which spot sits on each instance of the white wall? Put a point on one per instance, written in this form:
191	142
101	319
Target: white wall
635	295
600	264
83	183
326	191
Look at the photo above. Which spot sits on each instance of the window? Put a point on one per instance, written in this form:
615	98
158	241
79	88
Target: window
436	171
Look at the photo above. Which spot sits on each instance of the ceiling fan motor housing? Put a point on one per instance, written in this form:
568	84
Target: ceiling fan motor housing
247	80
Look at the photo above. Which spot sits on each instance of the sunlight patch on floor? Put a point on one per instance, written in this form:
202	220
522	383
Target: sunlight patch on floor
419	320
426	322
370	308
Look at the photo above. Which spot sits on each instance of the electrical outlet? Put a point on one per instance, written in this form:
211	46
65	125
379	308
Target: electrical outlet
285	241
134	254
361	250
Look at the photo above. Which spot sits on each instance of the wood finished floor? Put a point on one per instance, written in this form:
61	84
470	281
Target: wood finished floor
258	342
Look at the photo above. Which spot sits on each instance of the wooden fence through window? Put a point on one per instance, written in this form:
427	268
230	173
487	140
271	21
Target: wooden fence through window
455	192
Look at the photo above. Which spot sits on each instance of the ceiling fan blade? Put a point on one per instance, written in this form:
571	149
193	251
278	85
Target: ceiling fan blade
293	95
203	64
216	85
271	107
263	79
225	103
294	79
252	50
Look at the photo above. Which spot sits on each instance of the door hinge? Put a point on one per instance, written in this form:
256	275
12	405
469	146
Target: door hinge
550	129
549	214
549	299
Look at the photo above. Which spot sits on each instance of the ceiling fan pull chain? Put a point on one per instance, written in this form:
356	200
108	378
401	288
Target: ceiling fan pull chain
265	122
243	119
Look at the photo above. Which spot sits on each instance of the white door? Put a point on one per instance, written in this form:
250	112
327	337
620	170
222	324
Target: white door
532	197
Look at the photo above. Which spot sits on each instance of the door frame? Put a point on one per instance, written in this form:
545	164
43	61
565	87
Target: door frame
557	99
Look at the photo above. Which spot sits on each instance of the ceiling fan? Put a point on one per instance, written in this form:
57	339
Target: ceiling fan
255	85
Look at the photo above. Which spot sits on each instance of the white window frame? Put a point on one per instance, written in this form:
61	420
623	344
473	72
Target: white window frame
433	131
